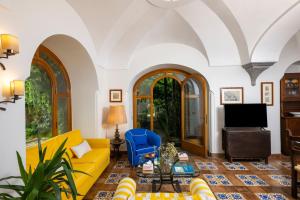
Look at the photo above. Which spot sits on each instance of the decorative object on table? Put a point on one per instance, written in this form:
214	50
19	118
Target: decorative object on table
267	93
49	179
182	156
168	155
116	147
116	116
115	95
140	142
232	95
148	167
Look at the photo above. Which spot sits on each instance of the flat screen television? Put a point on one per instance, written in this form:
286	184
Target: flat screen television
246	115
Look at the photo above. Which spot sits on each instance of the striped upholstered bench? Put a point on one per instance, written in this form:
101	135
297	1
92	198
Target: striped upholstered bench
199	190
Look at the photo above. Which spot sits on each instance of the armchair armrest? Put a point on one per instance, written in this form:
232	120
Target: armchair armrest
99	143
125	190
198	187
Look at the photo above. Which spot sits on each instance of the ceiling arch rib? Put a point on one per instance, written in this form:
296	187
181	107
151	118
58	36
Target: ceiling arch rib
134	12
164	28
218	41
225	14
273	41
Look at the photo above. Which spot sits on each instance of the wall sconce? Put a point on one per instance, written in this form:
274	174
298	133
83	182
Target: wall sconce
9	45
13	92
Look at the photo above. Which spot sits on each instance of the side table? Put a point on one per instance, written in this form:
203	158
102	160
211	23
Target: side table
116	146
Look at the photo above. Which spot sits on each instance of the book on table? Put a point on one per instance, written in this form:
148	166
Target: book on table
183	168
148	167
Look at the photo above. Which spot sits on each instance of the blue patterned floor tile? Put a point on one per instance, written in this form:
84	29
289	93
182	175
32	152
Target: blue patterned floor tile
206	165
114	178
263	166
229	196
217	180
284	180
104	195
271	196
234	166
251	180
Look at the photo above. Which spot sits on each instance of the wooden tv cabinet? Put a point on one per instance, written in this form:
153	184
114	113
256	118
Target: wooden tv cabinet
246	143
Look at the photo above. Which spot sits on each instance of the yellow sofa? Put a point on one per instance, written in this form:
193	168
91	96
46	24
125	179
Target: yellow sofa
199	190
93	162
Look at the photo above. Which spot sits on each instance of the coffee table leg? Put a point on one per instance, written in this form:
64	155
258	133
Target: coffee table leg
176	186
154	184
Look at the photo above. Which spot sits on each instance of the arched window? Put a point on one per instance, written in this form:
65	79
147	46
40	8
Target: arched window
48	97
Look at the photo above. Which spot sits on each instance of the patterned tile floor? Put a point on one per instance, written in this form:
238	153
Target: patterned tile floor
238	180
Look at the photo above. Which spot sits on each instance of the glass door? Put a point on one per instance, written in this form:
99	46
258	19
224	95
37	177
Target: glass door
194	115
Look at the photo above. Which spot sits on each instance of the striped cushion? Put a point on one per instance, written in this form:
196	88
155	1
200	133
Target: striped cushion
126	189
200	190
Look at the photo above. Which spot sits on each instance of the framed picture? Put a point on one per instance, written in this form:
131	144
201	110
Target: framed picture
267	96
232	95
115	95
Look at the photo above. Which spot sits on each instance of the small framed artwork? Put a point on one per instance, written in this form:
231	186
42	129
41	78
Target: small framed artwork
115	95
267	96
232	95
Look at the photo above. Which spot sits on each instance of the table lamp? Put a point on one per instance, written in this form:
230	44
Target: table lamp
116	116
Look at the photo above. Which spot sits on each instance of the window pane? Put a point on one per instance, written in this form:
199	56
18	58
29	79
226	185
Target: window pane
61	82
193	112
143	113
145	86
38	104
62	115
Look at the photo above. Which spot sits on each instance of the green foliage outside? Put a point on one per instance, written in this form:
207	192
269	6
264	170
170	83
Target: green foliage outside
38	104
167	104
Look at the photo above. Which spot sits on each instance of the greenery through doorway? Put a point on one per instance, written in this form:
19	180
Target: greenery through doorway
167	109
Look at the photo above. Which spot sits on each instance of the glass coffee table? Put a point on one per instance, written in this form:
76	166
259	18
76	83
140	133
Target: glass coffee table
162	175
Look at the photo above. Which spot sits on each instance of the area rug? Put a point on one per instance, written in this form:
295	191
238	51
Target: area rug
104	195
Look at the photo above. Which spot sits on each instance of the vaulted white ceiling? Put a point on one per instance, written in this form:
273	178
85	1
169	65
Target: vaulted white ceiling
226	32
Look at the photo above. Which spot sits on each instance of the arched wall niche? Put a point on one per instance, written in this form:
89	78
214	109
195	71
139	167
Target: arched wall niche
84	81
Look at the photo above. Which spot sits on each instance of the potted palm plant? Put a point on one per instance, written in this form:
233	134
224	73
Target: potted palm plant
49	180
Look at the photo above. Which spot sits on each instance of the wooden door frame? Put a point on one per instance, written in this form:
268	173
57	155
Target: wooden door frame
181	82
204	104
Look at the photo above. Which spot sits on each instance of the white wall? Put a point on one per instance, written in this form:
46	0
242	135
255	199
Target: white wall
32	25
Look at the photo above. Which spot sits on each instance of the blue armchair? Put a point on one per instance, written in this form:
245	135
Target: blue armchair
140	142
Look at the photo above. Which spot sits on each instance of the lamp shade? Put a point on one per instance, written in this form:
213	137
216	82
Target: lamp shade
17	87
117	115
9	44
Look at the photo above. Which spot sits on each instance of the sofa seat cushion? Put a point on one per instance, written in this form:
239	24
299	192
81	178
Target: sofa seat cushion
142	149
96	156
80	178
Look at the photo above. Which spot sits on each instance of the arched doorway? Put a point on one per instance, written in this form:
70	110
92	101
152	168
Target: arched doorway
173	103
48	97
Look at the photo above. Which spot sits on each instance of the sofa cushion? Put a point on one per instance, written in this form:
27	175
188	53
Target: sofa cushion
81	149
80	178
142	149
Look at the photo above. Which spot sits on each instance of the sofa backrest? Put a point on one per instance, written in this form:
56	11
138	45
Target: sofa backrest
52	144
